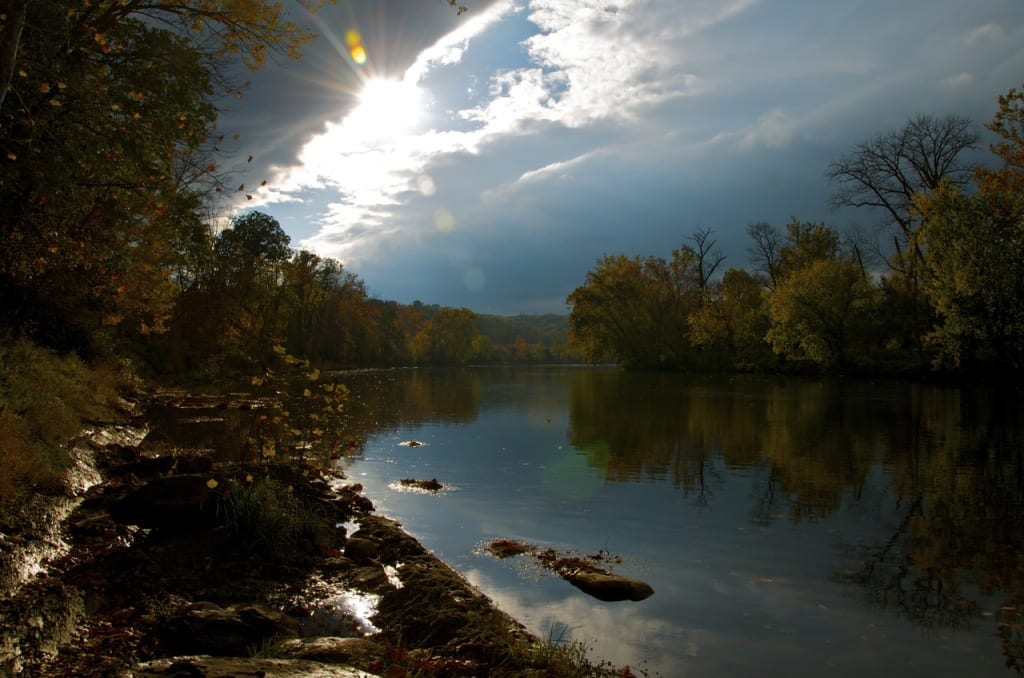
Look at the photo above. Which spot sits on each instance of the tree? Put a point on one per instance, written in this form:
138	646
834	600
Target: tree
1008	124
824	312
805	243
765	252
887	172
734	320
634	311
975	275
708	256
447	338
105	136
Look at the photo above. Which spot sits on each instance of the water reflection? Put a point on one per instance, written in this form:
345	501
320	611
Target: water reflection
815	523
914	492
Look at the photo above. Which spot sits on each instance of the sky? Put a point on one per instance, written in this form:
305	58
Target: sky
487	160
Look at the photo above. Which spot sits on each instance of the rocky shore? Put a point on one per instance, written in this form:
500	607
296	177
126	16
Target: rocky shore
136	571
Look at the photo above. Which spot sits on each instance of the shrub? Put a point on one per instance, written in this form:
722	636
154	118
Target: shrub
45	399
266	515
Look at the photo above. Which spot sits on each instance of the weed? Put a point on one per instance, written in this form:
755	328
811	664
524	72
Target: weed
265	514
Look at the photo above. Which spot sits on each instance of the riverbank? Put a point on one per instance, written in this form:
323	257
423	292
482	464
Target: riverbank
140	568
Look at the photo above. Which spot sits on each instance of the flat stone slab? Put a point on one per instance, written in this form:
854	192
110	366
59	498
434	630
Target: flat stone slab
234	667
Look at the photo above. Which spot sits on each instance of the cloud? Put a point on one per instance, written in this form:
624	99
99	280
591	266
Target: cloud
957	81
549	132
985	33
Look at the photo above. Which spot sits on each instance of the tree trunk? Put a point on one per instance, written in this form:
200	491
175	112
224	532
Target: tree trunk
10	36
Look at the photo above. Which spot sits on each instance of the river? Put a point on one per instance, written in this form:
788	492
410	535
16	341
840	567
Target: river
788	526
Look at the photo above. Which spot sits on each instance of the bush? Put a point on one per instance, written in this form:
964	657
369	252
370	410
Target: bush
45	399
266	515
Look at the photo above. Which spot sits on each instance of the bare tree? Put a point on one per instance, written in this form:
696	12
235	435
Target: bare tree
888	170
766	252
709	257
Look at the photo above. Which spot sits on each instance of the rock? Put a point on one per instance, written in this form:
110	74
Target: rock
431	485
361	551
185	501
233	667
609	587
358	652
369	578
236	630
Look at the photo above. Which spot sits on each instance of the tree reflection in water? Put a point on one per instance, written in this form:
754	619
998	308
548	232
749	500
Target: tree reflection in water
952	458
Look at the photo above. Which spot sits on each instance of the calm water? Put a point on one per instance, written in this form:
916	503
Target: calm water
789	527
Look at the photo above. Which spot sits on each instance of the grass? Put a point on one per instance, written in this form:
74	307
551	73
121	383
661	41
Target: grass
265	514
45	400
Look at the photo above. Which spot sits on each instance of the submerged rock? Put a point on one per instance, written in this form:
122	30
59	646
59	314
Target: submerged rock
431	485
608	587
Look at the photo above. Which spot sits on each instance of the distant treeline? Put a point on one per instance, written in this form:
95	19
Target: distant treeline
941	291
246	292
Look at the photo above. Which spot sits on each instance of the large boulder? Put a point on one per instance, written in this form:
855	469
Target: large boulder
183	501
208	629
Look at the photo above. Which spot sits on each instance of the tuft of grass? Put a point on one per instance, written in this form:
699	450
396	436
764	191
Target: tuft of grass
45	400
266	515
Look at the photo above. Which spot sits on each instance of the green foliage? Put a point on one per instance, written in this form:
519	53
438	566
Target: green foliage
824	312
634	311
974	254
45	399
734	321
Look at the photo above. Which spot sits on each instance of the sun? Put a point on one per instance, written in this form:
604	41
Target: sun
387	109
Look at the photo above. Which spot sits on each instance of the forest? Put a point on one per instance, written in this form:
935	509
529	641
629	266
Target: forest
939	291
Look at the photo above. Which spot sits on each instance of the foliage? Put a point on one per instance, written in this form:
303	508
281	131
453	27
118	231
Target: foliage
45	398
823	312
734	320
108	152
266	515
1008	125
447	338
634	311
975	264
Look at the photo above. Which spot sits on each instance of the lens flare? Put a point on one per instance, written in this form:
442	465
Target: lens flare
354	42
444	220
425	184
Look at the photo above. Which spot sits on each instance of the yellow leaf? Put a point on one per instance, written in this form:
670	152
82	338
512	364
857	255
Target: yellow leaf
212	483
248	478
11	156
306	392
